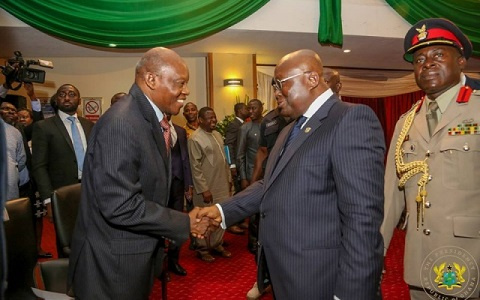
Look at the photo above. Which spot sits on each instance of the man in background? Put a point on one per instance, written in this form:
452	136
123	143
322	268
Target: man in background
231	136
433	168
117	97
332	79
59	144
190	112
181	187
211	178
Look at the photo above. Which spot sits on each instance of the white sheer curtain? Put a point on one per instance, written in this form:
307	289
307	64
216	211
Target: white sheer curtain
265	90
355	83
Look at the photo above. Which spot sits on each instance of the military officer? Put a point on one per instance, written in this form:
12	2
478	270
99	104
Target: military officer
433	168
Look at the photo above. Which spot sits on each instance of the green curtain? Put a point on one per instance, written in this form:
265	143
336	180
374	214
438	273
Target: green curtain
330	25
465	14
131	23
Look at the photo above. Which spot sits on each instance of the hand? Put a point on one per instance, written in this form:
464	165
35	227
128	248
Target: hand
244	184
207	197
189	194
200	228
30	90
211	212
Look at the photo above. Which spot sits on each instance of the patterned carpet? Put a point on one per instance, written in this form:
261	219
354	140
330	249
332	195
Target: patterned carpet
232	278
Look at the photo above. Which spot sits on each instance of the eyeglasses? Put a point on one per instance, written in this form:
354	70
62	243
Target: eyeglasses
64	94
277	83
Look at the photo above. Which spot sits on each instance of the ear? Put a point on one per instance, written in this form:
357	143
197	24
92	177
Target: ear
313	79
150	80
462	62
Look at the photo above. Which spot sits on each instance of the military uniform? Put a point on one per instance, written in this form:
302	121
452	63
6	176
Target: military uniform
434	174
452	204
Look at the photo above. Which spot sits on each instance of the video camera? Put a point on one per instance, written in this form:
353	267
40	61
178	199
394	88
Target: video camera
17	70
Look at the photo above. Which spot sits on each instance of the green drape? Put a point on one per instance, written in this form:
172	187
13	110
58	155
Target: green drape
465	14
131	23
330	25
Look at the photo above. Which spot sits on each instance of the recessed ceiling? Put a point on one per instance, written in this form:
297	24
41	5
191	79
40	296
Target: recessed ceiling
367	52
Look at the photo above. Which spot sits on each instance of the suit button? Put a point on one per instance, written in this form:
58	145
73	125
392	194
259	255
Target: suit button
428	204
430	177
262	215
466	147
426	231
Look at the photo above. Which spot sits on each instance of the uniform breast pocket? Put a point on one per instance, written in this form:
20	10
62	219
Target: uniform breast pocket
410	153
461	162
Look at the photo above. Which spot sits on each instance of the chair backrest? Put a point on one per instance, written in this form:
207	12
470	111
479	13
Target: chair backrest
51	275
65	202
21	248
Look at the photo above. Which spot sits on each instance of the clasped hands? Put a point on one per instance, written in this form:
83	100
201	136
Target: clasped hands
204	220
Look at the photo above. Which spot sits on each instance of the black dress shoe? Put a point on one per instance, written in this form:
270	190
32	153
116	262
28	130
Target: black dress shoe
175	268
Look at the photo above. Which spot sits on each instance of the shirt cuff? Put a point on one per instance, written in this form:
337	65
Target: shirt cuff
223	224
47	201
36	105
233	166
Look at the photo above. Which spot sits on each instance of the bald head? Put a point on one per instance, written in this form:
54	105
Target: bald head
299	78
162	75
332	79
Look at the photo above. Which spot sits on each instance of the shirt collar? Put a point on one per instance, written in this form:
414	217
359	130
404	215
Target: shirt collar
157	110
444	99
317	103
63	116
240	119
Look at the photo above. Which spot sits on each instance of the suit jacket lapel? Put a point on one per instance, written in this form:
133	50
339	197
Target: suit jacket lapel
63	131
308	129
149	115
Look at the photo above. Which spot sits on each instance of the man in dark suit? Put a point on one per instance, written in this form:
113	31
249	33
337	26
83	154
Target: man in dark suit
182	187
321	200
123	218
231	136
57	144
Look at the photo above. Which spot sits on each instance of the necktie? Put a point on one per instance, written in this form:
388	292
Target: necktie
432	119
77	143
166	133
173	134
295	130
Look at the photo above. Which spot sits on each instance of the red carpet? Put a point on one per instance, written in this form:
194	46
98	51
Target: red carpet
232	278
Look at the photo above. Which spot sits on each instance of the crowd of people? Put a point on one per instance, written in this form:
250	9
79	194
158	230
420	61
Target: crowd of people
309	176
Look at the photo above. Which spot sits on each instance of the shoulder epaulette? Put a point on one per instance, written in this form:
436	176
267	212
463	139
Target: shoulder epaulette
416	105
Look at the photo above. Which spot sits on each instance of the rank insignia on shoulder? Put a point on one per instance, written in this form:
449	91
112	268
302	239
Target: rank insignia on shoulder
464	129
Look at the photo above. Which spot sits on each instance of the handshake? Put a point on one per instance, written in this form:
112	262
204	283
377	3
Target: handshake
204	220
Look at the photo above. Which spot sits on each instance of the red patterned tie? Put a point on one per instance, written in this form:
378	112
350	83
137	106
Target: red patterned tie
166	133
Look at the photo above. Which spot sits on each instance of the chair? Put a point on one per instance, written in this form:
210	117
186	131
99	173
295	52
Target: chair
65	202
51	275
21	249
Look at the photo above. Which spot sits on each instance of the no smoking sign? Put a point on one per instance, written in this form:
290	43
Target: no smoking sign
92	108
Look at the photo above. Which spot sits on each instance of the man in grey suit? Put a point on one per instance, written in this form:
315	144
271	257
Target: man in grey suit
321	200
124	218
